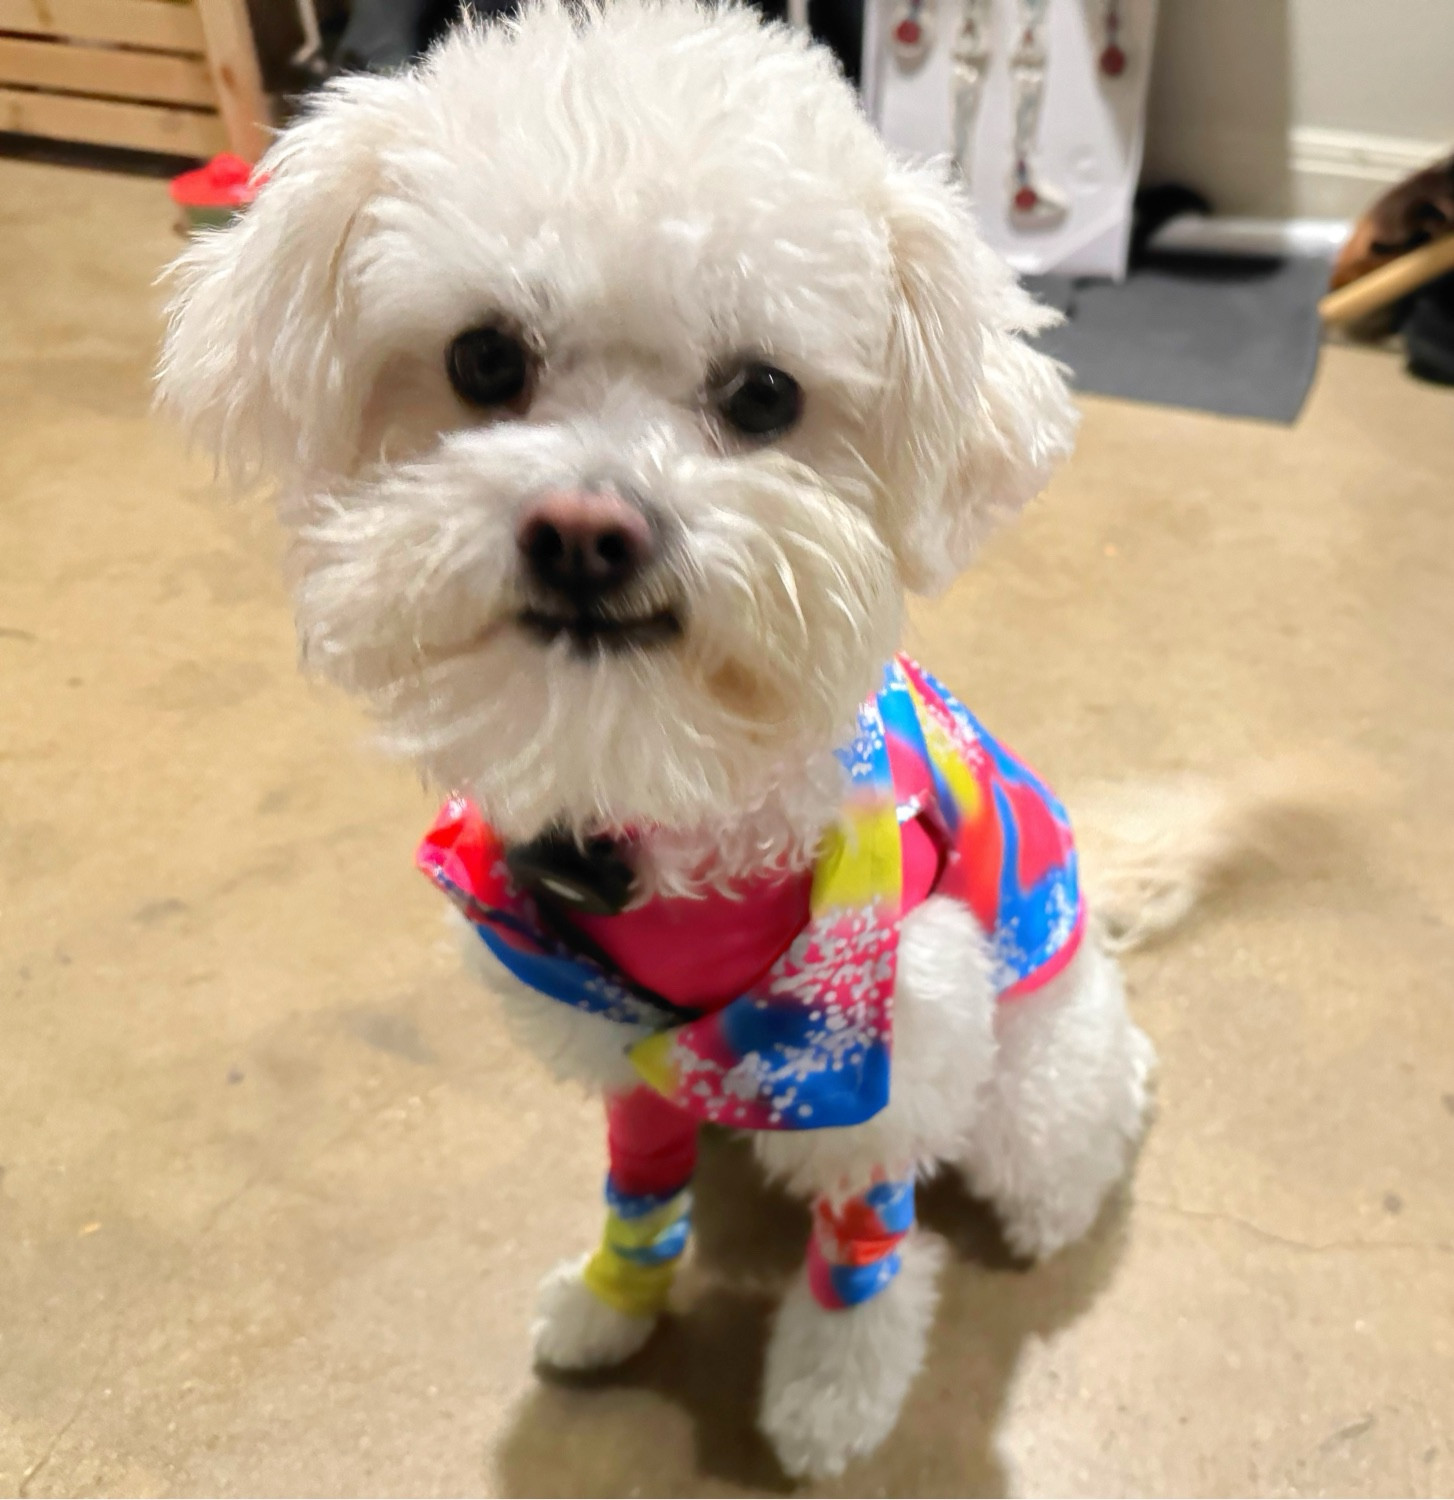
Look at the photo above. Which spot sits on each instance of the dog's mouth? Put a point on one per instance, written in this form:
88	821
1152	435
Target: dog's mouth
591	632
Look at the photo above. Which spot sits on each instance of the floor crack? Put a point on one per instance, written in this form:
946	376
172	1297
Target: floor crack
22	1490
1313	1247
210	1223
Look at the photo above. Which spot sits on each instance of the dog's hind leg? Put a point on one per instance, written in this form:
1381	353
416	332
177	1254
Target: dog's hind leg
1065	1108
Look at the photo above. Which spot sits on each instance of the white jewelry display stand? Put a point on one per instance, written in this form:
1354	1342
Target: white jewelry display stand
1088	147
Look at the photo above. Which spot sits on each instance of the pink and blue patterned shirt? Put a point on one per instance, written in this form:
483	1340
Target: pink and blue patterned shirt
934	805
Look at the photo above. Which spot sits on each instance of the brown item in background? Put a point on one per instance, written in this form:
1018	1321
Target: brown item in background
1418	210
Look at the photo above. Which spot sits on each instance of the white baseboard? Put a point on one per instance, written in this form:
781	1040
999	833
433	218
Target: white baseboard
1199	235
1338	173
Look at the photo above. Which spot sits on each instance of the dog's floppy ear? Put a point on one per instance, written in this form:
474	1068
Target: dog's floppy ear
974	418
253	364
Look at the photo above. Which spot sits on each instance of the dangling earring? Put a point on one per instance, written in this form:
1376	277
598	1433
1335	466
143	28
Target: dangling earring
971	58
1033	204
1113	54
912	32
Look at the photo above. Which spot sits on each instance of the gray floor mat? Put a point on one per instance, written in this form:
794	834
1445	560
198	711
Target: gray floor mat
1235	336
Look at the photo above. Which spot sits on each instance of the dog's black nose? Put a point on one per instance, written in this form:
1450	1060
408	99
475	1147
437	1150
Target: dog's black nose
583	543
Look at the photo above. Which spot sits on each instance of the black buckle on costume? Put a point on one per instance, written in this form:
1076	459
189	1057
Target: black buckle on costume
594	877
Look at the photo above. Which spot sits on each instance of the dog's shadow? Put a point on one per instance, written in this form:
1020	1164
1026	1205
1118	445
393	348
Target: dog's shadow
680	1418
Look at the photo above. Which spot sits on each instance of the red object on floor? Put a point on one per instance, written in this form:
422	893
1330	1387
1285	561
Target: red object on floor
908	33
1026	199
227	181
1113	61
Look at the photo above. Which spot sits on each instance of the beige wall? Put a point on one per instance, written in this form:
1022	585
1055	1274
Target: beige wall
1299	106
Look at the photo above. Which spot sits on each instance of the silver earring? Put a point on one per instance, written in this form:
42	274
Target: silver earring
971	58
1033	203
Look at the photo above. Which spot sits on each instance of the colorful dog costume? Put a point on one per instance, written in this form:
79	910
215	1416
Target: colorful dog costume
803	1039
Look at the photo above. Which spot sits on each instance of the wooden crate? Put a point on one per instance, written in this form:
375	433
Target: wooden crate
179	76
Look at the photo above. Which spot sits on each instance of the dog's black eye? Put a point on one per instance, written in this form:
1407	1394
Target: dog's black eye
488	367
760	400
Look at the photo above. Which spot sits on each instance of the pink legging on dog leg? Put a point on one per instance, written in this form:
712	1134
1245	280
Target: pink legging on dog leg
652	1144
653	1149
854	1249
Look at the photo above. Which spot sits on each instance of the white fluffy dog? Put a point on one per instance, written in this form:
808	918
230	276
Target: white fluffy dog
619	384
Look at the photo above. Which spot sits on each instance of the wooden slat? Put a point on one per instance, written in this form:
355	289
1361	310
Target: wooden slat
140	23
144	127
1397	278
105	70
232	57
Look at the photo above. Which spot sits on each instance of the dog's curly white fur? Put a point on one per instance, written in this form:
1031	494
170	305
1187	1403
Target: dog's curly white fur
647	192
575	1330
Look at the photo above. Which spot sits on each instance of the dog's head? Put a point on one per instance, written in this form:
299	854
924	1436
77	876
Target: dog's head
618	384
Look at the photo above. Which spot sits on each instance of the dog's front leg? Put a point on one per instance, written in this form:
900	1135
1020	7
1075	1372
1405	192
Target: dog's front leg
1042	1110
851	1333
837	1375
597	1310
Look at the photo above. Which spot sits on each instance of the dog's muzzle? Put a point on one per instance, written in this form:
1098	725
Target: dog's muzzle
582	551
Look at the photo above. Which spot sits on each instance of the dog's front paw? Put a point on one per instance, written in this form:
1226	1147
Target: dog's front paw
575	1330
836	1379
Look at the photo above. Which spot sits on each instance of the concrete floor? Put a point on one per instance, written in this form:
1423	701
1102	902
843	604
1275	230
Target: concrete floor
275	1194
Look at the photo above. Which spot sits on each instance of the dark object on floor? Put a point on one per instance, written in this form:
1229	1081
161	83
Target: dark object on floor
1419	209
1217	333
1429	332
383	35
838	24
1155	207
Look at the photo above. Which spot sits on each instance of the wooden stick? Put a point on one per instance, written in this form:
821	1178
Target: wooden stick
232	58
1388	283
